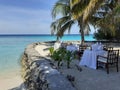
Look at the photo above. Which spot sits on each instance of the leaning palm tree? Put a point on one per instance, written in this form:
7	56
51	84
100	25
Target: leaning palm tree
67	20
72	11
60	25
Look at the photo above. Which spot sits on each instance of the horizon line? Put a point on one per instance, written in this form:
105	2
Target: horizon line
37	34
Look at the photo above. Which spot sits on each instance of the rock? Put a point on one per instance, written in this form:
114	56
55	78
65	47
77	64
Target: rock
41	73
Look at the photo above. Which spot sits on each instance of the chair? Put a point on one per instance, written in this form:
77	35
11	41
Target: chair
106	48
109	59
81	49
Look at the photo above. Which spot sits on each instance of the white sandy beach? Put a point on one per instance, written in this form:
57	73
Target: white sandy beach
9	83
41	50
10	80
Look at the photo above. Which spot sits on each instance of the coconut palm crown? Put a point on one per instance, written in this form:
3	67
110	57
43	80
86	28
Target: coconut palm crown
70	12
109	25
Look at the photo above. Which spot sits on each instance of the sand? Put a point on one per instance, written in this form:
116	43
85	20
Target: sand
13	78
10	80
9	83
85	77
42	49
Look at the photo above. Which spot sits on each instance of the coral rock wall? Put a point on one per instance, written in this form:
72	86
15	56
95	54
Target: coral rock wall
40	73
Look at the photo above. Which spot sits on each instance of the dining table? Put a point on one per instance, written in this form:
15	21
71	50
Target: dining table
72	48
89	58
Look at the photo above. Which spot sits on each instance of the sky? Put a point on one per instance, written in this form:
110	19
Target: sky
27	17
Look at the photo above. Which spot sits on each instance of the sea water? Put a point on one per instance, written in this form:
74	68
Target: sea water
12	48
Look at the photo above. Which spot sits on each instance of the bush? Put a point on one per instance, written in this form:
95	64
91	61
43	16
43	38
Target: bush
68	57
58	55
51	50
62	54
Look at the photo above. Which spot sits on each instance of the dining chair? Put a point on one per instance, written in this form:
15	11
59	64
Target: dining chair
110	58
81	49
106	48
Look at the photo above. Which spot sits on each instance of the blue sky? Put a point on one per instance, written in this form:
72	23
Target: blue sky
26	16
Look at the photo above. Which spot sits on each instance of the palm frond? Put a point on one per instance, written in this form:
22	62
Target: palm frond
73	2
64	28
63	1
62	21
117	9
53	27
56	25
78	8
91	9
87	29
60	8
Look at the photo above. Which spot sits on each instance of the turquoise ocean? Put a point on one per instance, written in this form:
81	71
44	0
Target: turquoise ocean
12	48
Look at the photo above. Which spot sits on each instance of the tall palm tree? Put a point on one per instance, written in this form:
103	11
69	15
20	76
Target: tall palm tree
64	23
72	11
83	10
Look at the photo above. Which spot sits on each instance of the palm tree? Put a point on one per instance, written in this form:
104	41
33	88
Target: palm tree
60	25
72	11
109	24
64	23
85	13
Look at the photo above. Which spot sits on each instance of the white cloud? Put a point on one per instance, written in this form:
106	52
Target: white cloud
20	20
16	20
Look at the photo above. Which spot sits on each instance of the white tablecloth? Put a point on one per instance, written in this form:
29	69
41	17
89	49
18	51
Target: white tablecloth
72	48
89	58
57	45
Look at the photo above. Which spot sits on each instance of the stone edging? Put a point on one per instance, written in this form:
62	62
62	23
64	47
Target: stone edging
40	73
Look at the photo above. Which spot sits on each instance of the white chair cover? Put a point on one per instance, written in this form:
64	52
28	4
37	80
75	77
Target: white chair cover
57	45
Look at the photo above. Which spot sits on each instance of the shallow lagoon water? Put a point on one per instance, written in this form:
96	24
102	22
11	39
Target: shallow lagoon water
12	48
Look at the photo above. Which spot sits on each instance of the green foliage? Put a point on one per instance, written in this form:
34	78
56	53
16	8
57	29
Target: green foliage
82	12
117	9
103	35
68	57
109	28
51	50
62	54
107	35
58	55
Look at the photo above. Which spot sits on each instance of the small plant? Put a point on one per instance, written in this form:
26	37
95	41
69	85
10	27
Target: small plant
58	55
51	50
62	54
69	56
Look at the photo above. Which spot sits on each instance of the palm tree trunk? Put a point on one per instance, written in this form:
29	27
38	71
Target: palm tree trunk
82	35
57	39
81	26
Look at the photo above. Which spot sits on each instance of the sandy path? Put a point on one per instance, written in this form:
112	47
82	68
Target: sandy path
87	78
42	49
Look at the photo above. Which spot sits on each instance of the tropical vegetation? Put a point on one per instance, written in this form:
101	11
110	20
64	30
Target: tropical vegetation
61	55
82	12
109	28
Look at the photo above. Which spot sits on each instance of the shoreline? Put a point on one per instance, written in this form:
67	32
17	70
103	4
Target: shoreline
10	79
9	83
7	73
13	78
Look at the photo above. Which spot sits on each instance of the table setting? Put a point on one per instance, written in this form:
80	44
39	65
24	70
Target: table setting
90	55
